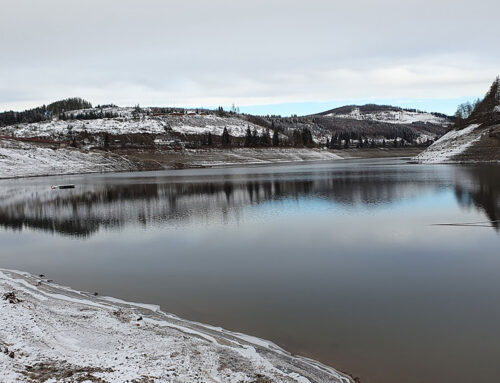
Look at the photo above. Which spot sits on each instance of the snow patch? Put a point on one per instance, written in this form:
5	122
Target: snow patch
24	160
74	334
450	145
127	123
393	117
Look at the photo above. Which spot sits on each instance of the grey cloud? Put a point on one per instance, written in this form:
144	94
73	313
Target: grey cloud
216	52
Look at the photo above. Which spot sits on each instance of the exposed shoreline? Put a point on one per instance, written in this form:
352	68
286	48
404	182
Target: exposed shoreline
28	160
49	332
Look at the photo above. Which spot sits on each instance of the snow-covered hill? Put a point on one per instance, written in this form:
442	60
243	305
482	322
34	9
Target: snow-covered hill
126	122
134	127
475	137
451	145
389	115
157	138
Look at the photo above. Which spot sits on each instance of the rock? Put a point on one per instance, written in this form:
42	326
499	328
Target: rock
11	297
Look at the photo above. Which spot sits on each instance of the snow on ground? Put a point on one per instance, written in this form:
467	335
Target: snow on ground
61	129
127	124
23	160
241	156
424	138
394	117
50	333
450	145
198	124
18	159
116	110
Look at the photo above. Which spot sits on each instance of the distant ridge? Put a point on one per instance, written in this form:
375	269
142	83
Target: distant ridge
374	108
110	127
387	114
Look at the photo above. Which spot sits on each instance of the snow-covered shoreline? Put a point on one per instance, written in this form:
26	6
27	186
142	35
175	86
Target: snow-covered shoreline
451	145
55	334
26	160
19	160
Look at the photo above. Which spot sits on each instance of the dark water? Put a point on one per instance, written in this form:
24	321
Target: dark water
337	261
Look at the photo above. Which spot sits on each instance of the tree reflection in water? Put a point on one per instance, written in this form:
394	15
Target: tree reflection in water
157	200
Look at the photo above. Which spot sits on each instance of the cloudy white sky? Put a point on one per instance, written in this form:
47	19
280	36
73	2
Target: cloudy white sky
264	56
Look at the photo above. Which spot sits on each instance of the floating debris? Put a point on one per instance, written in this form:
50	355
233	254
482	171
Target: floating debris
469	224
62	187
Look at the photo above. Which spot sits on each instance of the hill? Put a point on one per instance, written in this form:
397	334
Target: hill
111	127
475	136
43	113
388	114
71	136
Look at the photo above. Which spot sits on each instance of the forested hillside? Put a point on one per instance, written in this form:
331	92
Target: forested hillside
475	136
74	120
44	112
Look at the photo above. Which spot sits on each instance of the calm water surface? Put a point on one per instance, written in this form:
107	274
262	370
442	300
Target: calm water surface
337	261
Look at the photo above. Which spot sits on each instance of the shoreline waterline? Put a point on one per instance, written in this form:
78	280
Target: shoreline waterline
53	328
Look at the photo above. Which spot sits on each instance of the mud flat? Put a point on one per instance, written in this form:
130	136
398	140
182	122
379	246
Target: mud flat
51	333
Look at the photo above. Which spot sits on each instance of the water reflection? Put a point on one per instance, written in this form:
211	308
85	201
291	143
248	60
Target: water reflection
336	261
161	198
479	186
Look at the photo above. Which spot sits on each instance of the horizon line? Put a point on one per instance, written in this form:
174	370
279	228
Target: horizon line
445	106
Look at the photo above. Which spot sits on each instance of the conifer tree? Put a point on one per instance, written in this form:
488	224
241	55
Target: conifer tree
226	141
255	138
276	139
347	142
265	139
106	141
248	137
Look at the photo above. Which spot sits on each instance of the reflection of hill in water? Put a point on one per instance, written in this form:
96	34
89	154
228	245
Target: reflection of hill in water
480	187
90	208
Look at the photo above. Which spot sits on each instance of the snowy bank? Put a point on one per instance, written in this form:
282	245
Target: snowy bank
24	160
452	144
50	333
252	156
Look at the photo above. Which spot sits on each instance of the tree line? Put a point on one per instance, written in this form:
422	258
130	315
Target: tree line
44	112
481	110
90	115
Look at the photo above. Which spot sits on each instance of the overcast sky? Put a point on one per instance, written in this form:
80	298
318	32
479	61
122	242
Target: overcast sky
263	55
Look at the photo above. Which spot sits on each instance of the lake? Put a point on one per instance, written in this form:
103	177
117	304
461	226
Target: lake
387	270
